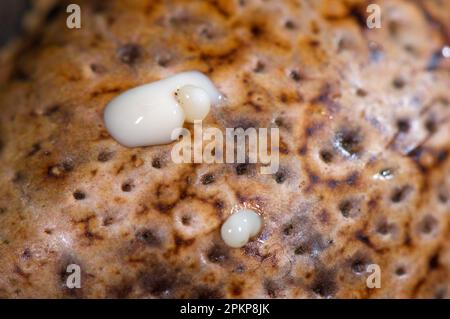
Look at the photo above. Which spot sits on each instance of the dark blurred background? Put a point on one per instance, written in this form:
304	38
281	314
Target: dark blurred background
11	12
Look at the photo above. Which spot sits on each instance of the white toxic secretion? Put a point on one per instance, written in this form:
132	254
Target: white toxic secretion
195	102
148	114
237	230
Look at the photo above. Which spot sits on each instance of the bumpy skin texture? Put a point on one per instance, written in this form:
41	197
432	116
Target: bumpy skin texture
350	103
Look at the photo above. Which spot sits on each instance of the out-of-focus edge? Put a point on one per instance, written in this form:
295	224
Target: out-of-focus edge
31	24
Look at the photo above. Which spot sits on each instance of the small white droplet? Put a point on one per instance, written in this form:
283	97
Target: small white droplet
240	227
195	102
446	52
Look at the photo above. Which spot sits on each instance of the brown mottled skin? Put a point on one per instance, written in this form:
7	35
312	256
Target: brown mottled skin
351	104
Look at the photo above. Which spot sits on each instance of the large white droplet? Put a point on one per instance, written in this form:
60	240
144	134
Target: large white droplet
195	102
148	114
240	227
